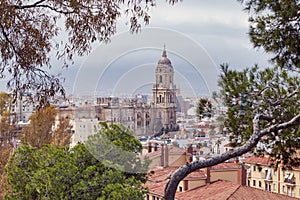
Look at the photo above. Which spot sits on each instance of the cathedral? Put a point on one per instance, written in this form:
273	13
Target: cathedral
163	105
156	118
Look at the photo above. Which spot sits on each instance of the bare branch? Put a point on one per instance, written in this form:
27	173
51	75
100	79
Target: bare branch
28	5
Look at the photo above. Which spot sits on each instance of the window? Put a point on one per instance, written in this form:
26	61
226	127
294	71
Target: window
259	183
248	182
254	183
180	189
160	79
254	168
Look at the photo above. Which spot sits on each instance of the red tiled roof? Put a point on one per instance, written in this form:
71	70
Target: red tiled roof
249	193
225	190
157	180
220	190
156	187
201	174
172	150
258	160
225	165
161	173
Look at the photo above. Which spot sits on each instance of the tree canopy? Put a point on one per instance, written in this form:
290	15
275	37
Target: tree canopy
275	26
271	92
54	172
31	32
204	108
41	129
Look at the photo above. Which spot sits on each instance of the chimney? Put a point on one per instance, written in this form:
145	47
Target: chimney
155	146
236	160
162	158
185	185
189	154
208	175
242	175
166	164
149	147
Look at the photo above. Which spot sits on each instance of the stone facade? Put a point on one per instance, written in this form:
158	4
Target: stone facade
145	118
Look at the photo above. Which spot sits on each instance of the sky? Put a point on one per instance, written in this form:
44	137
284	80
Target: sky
198	36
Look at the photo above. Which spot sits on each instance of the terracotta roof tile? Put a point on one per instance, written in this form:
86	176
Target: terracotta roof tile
258	160
201	174
225	190
228	165
220	190
172	150
156	187
249	193
157	180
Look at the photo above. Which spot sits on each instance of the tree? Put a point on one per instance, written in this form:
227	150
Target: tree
40	130
5	101
8	137
263	105
54	172
63	132
274	26
204	108
30	32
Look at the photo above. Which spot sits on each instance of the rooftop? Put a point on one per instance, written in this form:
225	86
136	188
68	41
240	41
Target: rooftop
225	190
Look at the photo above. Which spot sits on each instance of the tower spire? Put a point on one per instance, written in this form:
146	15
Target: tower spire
164	51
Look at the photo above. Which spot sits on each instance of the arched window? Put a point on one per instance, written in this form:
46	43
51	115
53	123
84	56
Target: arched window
160	78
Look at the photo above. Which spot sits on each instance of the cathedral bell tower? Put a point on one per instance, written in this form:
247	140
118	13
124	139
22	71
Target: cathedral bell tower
164	96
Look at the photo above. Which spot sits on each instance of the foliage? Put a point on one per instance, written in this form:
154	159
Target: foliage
273	92
275	27
40	130
8	136
117	147
204	108
30	33
53	172
4	102
62	133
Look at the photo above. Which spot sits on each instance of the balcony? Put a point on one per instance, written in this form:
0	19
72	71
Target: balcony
268	175
249	173
289	179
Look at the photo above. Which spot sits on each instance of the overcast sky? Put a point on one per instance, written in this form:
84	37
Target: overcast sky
199	36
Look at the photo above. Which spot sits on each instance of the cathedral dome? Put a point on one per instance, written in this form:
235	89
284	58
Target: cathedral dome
164	60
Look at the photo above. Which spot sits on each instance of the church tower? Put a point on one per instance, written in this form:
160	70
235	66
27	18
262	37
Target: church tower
164	96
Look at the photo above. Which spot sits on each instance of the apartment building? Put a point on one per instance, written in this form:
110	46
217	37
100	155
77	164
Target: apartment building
262	174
